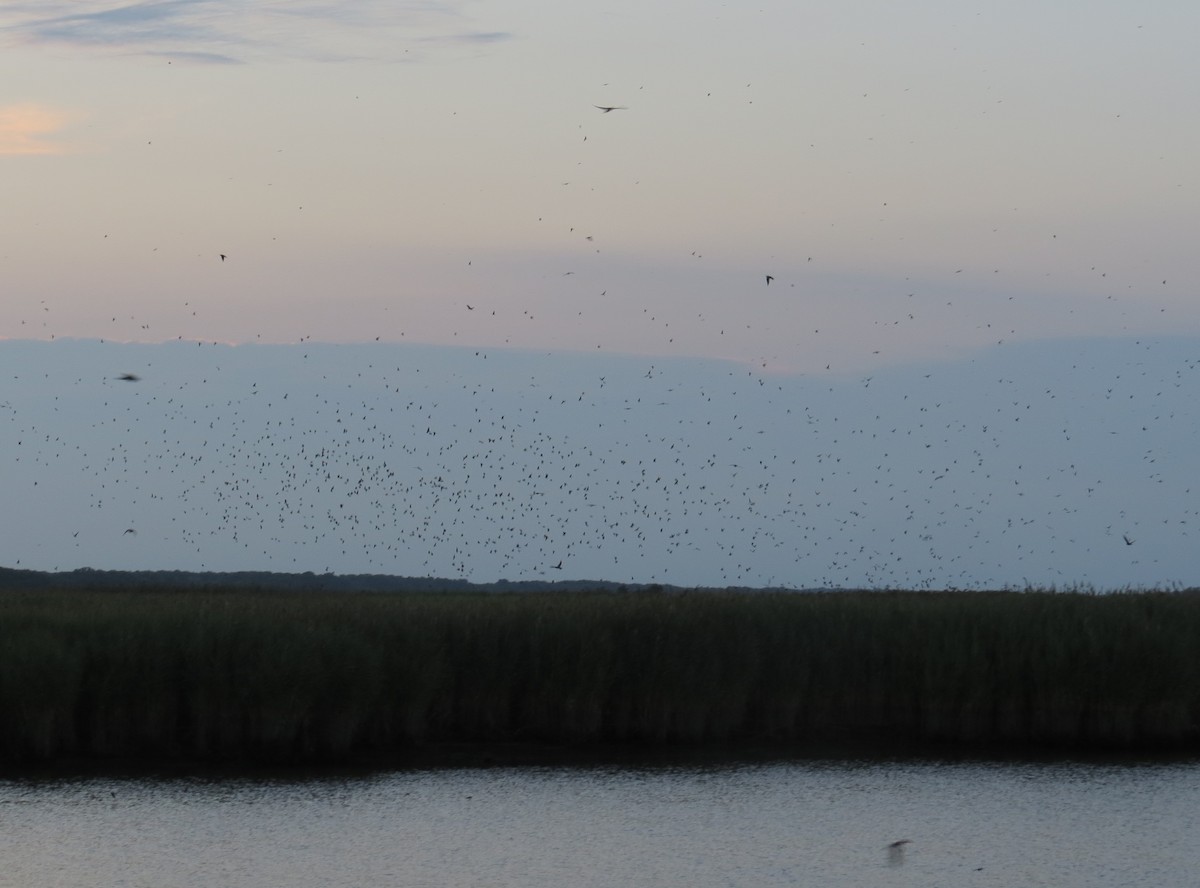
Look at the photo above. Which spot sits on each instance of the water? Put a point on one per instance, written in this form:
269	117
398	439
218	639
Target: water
821	824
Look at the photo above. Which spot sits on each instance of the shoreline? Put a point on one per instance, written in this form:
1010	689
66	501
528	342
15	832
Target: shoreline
517	756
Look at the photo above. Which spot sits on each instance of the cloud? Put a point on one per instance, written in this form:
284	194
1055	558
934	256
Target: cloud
198	58
135	23
224	31
478	37
28	128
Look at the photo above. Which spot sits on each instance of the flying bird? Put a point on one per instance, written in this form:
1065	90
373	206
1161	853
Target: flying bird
222	255
556	566
130	530
770	278
896	851
1127	540
129	377
607	108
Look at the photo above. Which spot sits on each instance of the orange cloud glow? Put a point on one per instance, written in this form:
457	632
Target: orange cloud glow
29	129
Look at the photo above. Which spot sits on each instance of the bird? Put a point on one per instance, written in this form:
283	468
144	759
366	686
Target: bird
556	566
1127	540
130	530
607	108
129	377
770	278
895	851
222	255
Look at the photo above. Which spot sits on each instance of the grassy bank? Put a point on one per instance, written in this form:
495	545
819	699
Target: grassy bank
219	676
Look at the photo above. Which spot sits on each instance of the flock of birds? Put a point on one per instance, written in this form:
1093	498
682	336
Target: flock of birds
485	464
430	461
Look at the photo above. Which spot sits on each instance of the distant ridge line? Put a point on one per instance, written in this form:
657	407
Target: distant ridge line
90	578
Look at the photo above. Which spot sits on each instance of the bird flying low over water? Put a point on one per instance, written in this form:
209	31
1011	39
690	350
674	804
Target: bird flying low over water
895	851
607	108
129	377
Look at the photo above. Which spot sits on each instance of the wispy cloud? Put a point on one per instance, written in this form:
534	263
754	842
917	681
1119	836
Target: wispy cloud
28	129
225	31
469	37
135	23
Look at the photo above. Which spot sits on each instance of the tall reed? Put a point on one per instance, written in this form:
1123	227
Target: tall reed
221	675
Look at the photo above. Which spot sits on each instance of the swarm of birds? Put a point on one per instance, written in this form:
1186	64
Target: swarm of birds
613	469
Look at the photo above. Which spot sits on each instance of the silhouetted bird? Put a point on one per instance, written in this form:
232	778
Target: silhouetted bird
130	530
607	108
896	851
770	278
1127	540
222	257
129	377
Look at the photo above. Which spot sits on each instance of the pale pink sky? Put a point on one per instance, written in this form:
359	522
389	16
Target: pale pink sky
918	184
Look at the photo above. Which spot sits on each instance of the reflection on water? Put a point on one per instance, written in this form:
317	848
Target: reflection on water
825	824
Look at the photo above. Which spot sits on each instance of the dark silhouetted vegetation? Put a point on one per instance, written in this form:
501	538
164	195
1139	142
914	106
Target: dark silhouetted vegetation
125	580
227	675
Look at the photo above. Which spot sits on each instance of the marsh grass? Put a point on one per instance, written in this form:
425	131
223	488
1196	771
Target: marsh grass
220	675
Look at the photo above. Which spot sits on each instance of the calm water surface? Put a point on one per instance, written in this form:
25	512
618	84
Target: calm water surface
823	824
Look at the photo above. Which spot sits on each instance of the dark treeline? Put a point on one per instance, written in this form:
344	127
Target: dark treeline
226	675
90	578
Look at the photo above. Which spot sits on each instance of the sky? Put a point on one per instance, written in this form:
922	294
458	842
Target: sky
815	194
